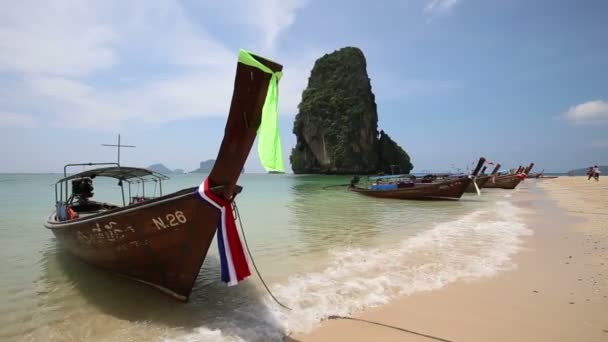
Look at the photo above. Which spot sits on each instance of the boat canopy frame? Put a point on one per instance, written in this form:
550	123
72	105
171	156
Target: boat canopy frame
129	175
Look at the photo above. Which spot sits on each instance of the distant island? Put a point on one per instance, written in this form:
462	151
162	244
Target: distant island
160	168
205	166
583	171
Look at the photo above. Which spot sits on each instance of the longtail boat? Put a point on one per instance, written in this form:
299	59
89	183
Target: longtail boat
163	241
482	180
510	181
398	187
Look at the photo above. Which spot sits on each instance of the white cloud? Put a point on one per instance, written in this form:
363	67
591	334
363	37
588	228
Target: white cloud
440	6
106	64
59	37
592	112
269	19
273	17
16	120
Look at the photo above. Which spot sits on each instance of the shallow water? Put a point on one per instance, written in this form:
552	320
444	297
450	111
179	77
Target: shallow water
323	251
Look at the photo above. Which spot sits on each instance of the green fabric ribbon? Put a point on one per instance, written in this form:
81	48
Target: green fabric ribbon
269	138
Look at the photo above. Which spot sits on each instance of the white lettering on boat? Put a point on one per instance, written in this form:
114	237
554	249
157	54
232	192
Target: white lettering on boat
139	243
158	222
170	220
109	232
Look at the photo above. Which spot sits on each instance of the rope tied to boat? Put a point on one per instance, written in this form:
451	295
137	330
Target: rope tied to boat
233	259
234	262
474	180
238	215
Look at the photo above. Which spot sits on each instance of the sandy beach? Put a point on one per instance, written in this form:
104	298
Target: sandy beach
556	289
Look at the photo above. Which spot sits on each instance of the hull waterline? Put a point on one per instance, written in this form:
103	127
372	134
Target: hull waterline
480	181
450	190
162	243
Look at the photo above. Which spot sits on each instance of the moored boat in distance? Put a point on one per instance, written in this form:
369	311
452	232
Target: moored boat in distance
509	181
163	241
482	180
540	175
403	187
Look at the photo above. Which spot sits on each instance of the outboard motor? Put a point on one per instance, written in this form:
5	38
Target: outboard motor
82	189
354	181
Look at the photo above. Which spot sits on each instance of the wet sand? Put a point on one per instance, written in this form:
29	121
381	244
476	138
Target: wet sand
557	289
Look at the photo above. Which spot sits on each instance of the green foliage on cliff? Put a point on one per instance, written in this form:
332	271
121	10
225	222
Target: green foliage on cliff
393	159
336	126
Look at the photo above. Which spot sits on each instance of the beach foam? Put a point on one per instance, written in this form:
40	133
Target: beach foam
476	245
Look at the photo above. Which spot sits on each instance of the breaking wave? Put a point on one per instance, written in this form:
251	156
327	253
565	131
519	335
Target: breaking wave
476	245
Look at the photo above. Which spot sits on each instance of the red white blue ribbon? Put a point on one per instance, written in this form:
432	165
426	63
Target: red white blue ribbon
233	259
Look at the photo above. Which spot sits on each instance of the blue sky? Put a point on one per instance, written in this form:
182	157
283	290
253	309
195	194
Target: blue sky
515	81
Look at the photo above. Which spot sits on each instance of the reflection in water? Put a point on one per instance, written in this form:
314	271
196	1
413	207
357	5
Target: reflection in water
75	294
329	216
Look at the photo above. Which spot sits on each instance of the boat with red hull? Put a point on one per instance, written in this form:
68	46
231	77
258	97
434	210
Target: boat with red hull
161	241
510	181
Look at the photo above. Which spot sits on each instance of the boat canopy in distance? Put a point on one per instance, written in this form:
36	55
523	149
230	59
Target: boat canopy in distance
128	174
390	176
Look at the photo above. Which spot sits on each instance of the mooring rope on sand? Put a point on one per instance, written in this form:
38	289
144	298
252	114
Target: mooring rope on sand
390	326
585	212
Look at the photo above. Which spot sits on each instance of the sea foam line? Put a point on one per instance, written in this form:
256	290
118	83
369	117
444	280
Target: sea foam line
476	245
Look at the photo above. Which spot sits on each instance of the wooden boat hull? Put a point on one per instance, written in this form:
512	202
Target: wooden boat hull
504	182
481	181
162	242
449	190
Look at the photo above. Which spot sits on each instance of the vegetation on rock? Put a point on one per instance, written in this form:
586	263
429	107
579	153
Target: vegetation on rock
337	123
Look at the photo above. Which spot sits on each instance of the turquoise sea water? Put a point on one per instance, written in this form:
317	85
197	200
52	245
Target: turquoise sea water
322	250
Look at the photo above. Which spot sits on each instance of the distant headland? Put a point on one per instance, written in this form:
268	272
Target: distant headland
204	167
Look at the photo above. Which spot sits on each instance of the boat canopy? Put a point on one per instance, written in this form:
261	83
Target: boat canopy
128	174
418	175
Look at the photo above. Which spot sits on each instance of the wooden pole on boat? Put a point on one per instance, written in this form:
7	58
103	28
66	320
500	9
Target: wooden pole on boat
529	168
496	168
244	119
479	165
483	170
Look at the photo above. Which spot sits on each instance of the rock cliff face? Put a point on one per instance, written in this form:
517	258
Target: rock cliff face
337	123
393	159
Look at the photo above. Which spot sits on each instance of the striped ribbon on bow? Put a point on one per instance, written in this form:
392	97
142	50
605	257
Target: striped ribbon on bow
233	260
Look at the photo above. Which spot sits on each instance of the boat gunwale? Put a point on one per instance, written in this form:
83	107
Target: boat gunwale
53	224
